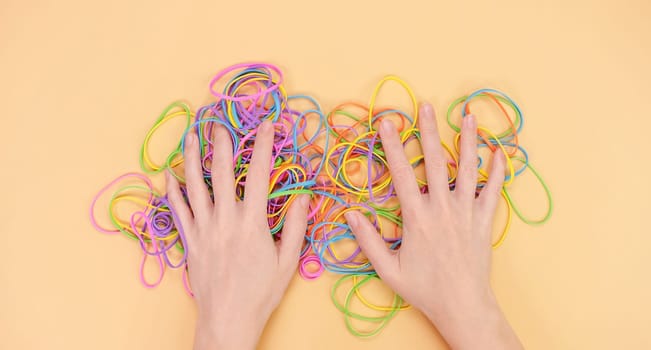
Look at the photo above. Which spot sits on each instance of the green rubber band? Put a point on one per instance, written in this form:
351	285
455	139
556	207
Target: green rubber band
550	206
157	124
349	315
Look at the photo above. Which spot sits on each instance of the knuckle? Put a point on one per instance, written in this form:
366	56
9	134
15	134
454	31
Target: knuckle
492	190
413	210
438	162
401	172
467	170
428	127
172	194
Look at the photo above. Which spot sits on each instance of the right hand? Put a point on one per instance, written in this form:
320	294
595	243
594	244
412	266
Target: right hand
443	264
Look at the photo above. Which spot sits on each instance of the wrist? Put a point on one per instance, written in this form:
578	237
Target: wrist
473	322
463	305
228	330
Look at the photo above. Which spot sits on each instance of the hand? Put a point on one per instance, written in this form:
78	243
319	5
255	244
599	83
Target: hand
237	272
443	264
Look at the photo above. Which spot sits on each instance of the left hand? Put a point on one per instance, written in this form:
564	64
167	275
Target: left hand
237	272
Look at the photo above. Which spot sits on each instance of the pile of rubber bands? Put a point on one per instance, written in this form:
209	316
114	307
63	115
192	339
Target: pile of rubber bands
336	157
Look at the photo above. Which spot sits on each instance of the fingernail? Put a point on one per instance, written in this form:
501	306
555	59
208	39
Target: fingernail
499	154
304	200
387	125
265	126
426	108
350	217
468	120
190	138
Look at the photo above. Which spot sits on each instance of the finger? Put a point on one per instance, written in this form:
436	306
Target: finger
467	177
223	179
384	260
293	234
197	190
490	194
435	163
402	173
257	179
182	215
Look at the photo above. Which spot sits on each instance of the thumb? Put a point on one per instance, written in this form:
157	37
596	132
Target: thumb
293	232
384	260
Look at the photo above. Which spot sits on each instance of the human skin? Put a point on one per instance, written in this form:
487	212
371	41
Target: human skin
237	272
444	271
443	264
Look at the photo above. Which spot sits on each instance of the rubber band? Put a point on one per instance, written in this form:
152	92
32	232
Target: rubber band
550	205
305	272
146	164
337	158
349	315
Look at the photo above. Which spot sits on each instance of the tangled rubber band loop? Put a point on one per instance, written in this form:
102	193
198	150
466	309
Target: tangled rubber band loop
337	158
172	160
387	312
304	270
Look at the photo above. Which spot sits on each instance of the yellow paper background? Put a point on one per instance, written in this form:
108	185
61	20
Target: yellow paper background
82	81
